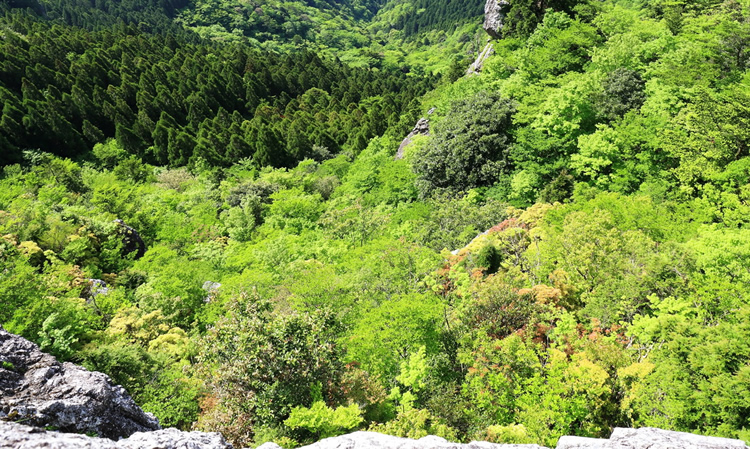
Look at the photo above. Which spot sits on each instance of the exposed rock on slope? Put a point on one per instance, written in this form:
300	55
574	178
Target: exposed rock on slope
174	439
644	438
421	128
38	390
478	64
131	240
494	14
18	436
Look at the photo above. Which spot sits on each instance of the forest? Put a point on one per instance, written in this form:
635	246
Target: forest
217	220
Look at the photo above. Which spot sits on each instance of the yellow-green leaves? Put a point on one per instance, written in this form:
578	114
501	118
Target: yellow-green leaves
324	421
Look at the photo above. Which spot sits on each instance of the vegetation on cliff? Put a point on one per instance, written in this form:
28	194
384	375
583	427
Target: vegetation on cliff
297	281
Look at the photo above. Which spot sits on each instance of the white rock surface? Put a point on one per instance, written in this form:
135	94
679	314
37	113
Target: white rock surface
422	128
373	440
174	439
568	442
19	436
651	438
269	445
494	15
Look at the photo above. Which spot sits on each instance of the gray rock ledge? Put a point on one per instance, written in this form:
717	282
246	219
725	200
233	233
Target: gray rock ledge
18	436
39	391
374	440
494	15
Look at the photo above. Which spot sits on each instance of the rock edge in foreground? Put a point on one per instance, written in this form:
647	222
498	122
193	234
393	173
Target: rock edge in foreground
39	391
18	436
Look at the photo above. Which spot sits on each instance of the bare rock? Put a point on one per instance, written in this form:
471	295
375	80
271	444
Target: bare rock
486	445
174	439
421	128
39	391
477	66
651	438
568	442
373	440
494	14
269	445
18	436
131	240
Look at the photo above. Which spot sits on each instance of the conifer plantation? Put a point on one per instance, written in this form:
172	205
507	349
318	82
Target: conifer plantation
201	199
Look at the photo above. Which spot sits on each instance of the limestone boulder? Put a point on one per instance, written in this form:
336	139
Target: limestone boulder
494	15
39	391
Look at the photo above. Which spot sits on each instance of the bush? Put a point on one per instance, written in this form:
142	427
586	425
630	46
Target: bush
470	145
489	258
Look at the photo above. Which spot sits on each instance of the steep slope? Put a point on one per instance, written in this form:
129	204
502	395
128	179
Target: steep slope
170	101
281	25
603	148
416	16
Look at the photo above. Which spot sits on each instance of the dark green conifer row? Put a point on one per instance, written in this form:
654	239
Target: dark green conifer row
171	102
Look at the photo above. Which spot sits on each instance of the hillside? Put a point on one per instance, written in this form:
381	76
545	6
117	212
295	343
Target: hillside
222	227
190	101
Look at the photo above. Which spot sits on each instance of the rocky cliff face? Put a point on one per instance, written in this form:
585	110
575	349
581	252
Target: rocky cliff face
18	436
372	440
494	14
39	391
650	438
421	128
478	64
644	438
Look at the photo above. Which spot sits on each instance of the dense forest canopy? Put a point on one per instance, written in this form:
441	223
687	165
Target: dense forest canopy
201	200
171	102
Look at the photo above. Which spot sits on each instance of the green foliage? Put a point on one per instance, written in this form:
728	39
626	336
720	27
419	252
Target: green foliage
173	286
298	302
709	134
66	329
522	17
453	222
706	392
260	365
470	145
324	421
556	46
109	153
623	91
197	101
416	423
173	397
387	333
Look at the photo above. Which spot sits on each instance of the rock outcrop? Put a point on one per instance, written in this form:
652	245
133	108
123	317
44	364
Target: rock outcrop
477	66
39	391
373	440
494	14
421	128
19	436
650	438
643	438
174	439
